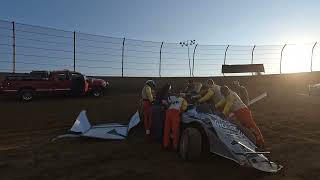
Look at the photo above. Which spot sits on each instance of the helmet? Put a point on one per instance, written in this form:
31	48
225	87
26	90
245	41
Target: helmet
236	83
210	82
151	83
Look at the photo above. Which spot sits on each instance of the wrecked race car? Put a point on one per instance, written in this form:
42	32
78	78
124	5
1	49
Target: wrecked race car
202	131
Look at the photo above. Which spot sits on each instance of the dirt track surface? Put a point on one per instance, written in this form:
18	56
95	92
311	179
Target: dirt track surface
289	122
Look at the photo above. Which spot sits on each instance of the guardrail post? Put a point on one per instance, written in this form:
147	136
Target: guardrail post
281	58
160	59
74	50
13	47
194	52
124	39
312	55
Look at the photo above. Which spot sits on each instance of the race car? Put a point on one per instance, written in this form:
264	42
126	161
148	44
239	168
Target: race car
203	131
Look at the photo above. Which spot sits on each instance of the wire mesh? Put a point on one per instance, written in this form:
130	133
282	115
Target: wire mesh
42	48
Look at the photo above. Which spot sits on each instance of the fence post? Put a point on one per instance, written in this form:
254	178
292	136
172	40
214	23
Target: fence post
312	56
74	50
281	58
194	52
124	39
225	56
13	47
252	55
160	59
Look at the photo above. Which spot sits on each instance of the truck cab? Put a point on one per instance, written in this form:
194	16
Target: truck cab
54	82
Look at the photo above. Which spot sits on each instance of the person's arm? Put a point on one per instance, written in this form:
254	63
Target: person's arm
196	96
221	103
149	94
246	95
206	97
229	102
184	105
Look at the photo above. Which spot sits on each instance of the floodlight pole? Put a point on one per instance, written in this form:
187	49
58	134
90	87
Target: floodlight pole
312	55
188	43
160	59
189	59
194	51
281	58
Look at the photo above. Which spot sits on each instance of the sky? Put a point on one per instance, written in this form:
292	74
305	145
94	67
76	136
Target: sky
207	21
212	22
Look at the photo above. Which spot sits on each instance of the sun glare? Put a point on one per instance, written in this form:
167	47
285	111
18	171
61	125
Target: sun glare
296	58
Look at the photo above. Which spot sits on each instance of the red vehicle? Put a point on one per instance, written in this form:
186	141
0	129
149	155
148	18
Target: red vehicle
55	82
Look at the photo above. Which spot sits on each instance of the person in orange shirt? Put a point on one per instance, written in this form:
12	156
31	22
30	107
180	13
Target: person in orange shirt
148	99
233	103
172	122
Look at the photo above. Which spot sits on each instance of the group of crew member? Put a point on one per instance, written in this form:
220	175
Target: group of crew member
219	98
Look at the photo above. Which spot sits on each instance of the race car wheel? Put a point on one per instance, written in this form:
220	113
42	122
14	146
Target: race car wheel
97	92
190	144
26	95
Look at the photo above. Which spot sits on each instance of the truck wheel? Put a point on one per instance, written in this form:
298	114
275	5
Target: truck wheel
97	92
26	95
190	144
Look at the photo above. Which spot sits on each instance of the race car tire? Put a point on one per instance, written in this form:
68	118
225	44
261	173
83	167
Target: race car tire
97	92
26	95
190	144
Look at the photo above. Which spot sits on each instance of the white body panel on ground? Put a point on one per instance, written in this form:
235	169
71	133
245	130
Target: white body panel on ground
111	131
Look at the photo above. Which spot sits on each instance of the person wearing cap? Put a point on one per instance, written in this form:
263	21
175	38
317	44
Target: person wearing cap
148	99
233	103
241	91
210	93
172	121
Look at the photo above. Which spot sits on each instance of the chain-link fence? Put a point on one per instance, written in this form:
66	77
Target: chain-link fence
24	48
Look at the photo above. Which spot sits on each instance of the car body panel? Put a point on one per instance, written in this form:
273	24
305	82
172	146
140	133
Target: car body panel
227	140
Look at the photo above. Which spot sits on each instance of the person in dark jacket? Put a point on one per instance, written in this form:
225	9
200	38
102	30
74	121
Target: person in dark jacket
158	112
241	91
162	95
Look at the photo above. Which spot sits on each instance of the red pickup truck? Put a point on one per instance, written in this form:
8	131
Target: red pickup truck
26	86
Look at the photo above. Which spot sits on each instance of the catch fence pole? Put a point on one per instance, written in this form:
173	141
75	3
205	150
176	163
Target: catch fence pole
312	56
13	47
225	56
74	50
194	52
124	39
252	54
281	58
160	59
